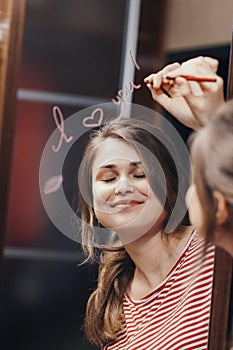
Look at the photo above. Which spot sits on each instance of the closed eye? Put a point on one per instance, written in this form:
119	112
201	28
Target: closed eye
142	176
109	180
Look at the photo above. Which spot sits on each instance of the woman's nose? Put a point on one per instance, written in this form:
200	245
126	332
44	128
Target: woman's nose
123	187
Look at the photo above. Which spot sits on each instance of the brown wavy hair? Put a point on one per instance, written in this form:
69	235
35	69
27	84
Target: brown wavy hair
212	160
104	313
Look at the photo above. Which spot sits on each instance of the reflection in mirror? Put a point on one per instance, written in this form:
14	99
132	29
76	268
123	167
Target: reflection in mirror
73	57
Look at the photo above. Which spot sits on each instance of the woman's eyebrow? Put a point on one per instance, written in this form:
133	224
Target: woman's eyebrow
108	166
135	164
113	166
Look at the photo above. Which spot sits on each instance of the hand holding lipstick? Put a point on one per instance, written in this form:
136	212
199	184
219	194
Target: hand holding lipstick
190	91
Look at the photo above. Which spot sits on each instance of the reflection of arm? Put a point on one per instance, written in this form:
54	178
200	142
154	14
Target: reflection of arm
192	103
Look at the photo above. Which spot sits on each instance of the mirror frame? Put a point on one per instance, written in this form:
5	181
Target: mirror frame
11	28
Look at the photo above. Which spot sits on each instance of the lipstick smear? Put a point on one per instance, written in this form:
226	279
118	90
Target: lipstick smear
53	184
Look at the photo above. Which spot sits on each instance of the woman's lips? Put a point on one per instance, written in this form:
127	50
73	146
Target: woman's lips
125	203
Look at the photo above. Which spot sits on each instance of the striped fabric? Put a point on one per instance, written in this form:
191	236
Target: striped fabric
176	315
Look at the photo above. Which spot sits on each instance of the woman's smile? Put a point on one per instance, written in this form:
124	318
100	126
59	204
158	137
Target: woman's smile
125	203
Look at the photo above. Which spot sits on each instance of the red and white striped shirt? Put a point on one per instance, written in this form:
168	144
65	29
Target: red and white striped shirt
176	315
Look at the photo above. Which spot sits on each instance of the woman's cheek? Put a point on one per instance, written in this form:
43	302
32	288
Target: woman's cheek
143	187
101	194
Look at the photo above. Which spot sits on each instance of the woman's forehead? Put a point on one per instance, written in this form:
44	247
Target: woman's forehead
111	151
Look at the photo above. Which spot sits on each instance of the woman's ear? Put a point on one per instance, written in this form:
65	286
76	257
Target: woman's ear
221	208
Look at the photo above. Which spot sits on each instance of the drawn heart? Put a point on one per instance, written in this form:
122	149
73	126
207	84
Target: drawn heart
94	116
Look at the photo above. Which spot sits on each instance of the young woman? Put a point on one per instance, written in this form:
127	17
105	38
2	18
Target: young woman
197	105
154	290
211	207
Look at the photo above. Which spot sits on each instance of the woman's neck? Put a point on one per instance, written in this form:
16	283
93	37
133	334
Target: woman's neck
154	256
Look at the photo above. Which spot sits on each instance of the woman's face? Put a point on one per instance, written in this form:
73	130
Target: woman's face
122	197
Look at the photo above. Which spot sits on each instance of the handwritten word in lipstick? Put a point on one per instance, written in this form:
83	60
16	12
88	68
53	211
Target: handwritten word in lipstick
118	100
60	125
134	60
123	93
